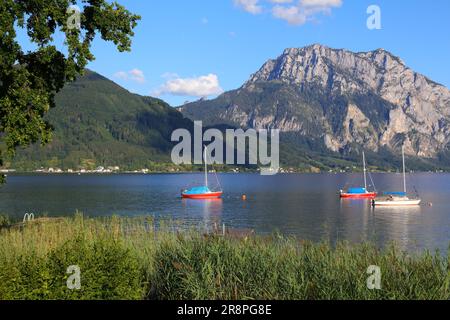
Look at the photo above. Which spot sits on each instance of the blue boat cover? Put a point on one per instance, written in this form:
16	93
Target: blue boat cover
356	190
197	190
395	193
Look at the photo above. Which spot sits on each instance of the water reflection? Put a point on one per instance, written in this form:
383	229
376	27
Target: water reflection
211	210
398	224
356	219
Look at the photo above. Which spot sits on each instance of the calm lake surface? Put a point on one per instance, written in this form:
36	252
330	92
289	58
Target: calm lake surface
304	205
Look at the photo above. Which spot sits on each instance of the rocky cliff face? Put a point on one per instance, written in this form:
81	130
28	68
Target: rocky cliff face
341	98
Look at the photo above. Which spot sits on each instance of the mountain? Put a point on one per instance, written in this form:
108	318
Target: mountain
328	104
98	123
334	102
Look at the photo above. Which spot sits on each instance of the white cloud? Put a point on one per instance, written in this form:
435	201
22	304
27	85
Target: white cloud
202	86
321	3
304	11
295	12
293	15
251	6
135	75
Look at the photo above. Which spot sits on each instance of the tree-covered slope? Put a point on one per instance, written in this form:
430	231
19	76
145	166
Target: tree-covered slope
98	123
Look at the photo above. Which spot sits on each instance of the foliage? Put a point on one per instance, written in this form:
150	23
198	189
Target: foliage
29	80
133	258
38	270
109	270
217	268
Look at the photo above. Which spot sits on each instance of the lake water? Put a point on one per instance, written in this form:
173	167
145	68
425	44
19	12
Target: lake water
304	205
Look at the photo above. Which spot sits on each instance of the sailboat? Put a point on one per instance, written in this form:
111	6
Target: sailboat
359	192
202	192
398	198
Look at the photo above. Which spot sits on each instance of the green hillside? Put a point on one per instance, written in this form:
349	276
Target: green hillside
98	123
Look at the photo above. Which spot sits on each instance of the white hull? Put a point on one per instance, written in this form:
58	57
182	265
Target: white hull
396	203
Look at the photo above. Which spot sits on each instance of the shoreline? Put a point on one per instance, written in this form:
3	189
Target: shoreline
24	173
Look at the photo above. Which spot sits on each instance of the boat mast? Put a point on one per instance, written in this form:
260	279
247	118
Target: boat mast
206	168
365	177
404	170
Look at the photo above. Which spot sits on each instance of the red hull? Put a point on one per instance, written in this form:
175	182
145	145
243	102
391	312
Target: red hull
369	195
211	195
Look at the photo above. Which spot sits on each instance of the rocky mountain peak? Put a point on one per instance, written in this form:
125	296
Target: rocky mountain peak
321	65
371	99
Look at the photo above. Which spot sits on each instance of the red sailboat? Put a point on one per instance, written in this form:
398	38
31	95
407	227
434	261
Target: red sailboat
202	192
360	192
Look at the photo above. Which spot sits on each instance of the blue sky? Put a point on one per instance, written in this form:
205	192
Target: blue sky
185	49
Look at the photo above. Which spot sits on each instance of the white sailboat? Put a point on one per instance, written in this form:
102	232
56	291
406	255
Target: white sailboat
398	199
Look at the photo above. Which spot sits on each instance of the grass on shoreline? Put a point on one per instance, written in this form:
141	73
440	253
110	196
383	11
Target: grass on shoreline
127	258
